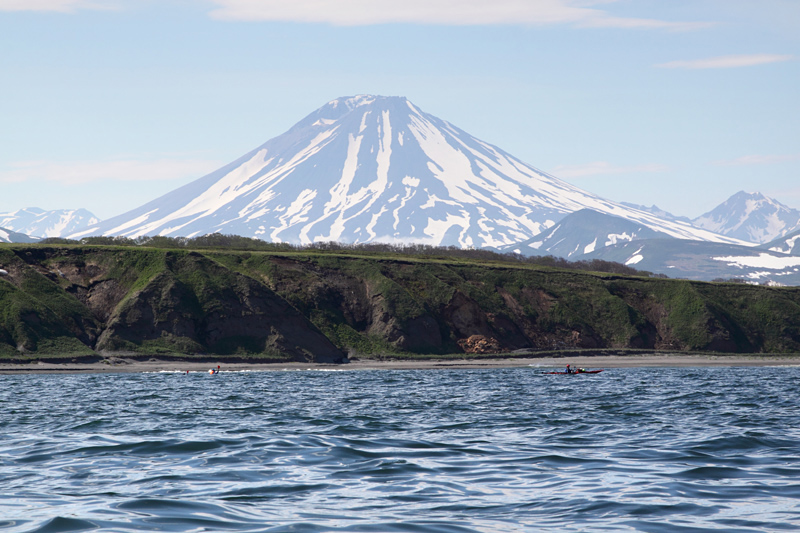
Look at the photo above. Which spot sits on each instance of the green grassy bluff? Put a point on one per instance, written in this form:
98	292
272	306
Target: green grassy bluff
75	301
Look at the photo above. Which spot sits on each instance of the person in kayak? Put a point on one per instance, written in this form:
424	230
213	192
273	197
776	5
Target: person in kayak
569	370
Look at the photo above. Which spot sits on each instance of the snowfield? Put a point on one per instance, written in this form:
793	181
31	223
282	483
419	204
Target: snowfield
763	260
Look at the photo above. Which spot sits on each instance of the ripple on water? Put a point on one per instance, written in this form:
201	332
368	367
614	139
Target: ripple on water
445	450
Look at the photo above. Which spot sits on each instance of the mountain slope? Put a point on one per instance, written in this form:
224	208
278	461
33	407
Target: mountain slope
750	217
704	261
788	244
581	233
41	223
372	168
7	235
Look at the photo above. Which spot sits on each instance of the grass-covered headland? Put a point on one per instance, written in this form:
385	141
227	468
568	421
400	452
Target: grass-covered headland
219	297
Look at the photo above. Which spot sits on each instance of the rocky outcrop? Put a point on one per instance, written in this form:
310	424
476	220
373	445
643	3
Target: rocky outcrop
479	344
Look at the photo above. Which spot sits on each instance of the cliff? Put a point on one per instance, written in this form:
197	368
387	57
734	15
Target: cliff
72	301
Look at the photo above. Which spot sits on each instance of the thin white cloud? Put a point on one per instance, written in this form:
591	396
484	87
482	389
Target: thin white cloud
579	13
733	61
82	172
601	168
61	6
757	160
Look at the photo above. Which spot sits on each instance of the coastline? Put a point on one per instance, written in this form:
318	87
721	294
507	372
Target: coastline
122	365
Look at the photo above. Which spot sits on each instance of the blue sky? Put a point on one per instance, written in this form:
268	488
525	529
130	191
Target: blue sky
107	104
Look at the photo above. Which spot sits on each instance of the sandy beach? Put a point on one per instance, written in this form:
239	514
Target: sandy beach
115	365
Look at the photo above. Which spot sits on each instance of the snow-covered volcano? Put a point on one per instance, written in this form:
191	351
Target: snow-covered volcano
374	168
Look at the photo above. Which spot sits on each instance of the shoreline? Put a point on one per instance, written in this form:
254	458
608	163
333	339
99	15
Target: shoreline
122	365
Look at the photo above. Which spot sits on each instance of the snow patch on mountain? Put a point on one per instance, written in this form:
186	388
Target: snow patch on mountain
635	258
788	244
762	260
614	238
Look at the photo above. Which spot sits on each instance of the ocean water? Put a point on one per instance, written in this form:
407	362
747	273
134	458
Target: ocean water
500	450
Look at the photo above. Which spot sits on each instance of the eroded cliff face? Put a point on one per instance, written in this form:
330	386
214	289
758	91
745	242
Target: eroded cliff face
196	306
368	303
304	307
172	303
446	308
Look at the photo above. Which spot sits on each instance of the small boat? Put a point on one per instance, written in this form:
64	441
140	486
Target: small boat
579	371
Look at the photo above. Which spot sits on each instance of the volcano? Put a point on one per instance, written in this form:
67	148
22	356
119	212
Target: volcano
375	169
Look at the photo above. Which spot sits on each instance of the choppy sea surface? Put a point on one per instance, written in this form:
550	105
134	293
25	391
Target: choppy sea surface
500	450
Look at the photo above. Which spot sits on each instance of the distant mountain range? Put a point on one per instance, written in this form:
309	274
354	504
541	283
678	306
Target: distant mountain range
37	222
707	261
378	169
587	235
747	216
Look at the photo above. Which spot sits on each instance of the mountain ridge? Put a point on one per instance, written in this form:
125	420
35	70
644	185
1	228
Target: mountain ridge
751	217
10	236
581	232
42	223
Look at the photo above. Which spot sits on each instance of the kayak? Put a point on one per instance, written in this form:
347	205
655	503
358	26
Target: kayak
576	372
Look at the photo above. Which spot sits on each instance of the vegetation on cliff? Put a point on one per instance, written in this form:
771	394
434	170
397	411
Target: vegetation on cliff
322	304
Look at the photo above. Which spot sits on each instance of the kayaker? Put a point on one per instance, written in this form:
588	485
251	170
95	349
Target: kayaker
569	370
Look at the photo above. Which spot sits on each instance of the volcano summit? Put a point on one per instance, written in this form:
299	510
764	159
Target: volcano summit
375	168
